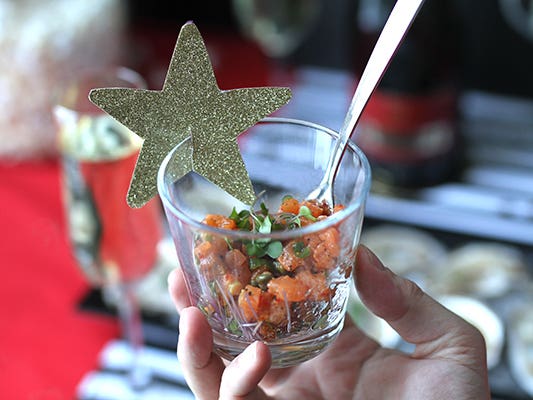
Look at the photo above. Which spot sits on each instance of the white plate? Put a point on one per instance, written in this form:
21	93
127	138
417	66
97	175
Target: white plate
484	319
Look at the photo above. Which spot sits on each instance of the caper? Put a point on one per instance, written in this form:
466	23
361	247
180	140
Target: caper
278	268
263	279
234	288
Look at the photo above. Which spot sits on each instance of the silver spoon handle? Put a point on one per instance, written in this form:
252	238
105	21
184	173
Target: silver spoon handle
399	21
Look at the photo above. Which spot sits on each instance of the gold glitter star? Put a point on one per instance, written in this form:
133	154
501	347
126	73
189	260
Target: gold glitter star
190	105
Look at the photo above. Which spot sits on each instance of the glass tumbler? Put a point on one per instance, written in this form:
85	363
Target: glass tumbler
114	245
248	296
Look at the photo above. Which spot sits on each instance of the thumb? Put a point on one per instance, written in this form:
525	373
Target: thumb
417	317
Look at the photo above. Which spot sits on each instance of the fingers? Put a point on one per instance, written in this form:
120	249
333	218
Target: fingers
178	290
242	376
202	368
205	372
417	317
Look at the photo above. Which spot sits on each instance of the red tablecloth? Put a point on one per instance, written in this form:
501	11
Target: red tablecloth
46	343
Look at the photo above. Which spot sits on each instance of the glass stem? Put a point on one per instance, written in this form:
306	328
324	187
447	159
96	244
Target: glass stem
130	318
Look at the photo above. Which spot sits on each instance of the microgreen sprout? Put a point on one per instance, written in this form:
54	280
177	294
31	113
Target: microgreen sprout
258	222
301	250
234	327
306	212
292	221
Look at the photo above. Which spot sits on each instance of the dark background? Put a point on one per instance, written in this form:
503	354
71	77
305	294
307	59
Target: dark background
467	42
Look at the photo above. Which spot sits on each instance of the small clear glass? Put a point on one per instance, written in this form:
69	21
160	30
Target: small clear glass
283	157
114	245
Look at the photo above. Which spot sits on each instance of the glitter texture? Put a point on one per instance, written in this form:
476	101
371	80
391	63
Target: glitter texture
190	105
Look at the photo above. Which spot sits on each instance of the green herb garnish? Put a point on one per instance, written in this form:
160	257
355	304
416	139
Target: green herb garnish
257	222
242	219
234	327
306	212
301	250
291	221
274	249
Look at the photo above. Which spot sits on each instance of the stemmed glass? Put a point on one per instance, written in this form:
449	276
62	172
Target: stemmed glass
278	27
113	244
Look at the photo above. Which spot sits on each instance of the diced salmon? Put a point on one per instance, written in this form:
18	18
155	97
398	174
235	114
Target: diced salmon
278	312
314	207
211	245
211	266
290	205
237	265
326	252
220	246
220	221
318	288
254	303
231	284
337	208
285	287
288	259
203	249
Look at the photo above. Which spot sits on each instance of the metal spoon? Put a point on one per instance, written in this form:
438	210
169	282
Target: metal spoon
397	25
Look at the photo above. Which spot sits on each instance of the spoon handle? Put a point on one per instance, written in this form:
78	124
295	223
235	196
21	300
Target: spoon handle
397	25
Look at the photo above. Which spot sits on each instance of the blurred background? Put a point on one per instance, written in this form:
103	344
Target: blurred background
449	134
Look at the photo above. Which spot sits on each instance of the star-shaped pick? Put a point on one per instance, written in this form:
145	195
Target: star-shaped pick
190	105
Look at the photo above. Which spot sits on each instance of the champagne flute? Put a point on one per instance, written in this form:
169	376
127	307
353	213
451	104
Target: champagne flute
113	244
278	27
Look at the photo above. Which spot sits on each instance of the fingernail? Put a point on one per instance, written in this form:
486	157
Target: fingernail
248	356
370	257
171	276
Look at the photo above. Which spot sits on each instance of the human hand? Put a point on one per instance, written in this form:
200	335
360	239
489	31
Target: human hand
449	361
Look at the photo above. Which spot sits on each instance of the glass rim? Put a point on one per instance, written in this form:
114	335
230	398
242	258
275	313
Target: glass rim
331	220
71	105
67	96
